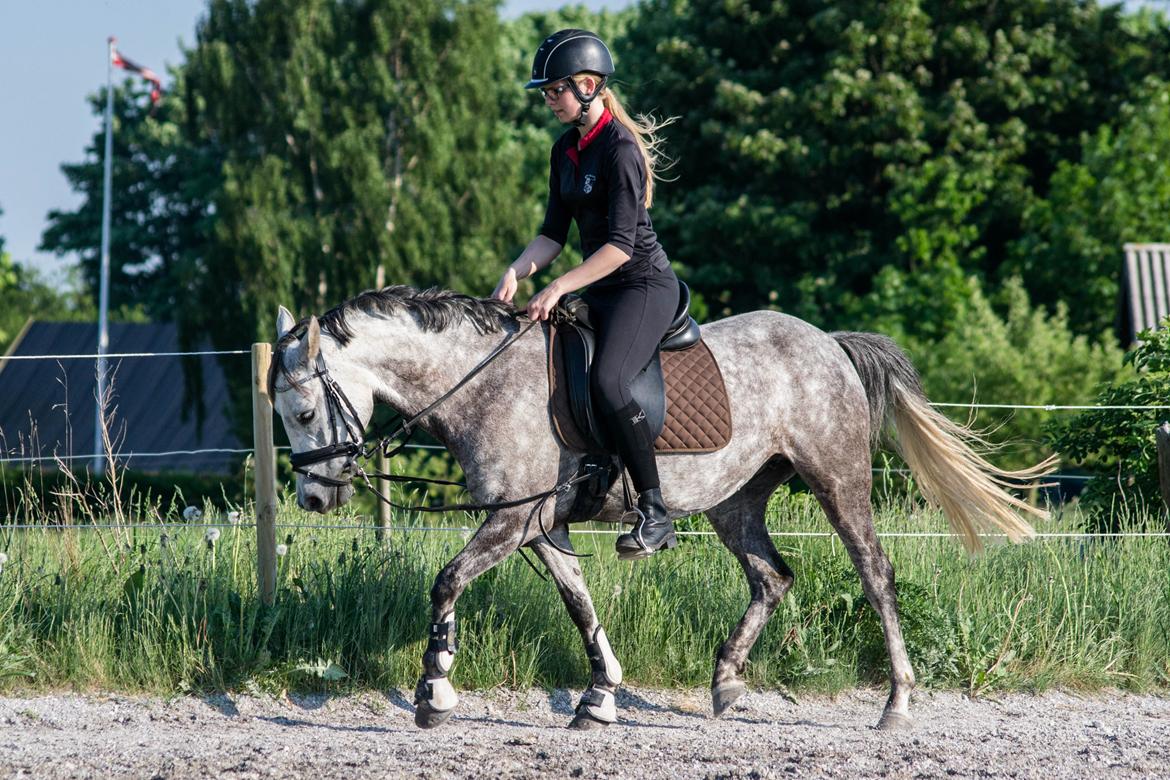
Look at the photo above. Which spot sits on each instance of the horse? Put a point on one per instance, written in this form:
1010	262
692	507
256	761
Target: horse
803	402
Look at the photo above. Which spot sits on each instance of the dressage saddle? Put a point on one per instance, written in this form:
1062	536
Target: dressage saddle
575	339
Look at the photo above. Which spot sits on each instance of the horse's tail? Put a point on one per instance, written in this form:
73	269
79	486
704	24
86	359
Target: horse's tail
944	457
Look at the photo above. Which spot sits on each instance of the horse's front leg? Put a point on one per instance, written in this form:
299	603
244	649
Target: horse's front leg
500	535
596	708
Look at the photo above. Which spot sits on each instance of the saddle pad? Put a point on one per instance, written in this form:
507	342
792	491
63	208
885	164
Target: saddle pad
698	414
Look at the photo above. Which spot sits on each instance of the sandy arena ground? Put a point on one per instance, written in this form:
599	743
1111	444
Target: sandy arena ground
660	734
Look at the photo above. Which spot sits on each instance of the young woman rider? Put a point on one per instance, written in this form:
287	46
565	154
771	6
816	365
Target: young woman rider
602	175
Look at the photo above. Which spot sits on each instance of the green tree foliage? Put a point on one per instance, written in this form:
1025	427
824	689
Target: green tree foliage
1119	444
1005	351
1118	192
24	295
160	214
351	135
858	160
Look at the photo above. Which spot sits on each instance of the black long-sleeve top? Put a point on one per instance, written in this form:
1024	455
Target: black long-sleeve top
600	181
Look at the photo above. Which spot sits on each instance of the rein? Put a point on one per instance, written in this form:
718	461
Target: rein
354	446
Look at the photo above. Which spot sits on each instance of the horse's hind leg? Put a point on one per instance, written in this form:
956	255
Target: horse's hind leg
739	523
847	504
596	708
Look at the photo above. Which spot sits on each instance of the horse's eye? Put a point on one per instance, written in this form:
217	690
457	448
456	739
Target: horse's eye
304	418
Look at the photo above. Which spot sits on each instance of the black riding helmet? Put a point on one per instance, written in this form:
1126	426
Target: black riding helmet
566	53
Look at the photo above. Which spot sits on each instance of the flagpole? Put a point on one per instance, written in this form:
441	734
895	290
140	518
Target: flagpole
99	447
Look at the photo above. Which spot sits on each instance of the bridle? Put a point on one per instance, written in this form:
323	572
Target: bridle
355	446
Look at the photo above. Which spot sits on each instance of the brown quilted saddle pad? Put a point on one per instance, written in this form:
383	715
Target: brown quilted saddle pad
698	413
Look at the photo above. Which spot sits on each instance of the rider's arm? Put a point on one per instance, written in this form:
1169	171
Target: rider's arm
599	264
537	256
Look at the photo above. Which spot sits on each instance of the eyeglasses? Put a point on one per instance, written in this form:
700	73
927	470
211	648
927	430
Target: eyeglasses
554	93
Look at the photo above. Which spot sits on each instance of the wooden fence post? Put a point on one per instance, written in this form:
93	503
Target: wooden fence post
382	532
265	465
1162	437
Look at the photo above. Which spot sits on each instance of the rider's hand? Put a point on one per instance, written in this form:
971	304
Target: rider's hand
507	286
541	304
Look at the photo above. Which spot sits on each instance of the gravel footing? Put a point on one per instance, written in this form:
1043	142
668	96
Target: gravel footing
659	734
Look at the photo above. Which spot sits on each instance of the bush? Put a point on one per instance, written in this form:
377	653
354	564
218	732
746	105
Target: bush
1118	444
1005	351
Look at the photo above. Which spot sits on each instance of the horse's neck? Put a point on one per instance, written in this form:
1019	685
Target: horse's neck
414	367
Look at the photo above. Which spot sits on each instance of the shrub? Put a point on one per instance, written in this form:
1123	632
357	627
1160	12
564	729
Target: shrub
1118	444
1005	351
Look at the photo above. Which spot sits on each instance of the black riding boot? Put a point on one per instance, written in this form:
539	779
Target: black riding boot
653	532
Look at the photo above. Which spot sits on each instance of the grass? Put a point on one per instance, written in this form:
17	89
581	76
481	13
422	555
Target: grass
160	609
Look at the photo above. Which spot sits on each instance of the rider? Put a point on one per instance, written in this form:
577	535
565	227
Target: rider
602	175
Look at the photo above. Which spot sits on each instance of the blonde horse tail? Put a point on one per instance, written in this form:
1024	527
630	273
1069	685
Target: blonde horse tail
947	459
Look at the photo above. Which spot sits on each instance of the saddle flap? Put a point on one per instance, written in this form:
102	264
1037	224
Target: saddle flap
573	347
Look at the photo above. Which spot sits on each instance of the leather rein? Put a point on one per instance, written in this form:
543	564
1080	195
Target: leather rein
355	446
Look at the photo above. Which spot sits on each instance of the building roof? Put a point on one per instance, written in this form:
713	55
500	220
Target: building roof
47	407
1147	287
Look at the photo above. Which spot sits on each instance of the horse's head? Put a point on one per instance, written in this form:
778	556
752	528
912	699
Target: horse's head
325	408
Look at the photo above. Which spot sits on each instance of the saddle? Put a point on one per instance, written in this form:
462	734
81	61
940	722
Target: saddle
680	389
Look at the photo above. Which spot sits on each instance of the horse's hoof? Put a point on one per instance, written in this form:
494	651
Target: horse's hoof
583	721
726	694
895	721
427	717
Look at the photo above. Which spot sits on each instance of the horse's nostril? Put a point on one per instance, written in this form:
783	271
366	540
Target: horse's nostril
313	503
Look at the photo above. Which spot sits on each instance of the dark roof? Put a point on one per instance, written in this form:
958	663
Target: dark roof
47	406
1147	287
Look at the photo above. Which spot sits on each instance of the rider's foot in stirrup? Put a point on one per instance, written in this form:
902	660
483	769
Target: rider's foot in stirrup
652	532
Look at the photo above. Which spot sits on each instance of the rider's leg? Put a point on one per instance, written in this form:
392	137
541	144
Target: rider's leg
630	322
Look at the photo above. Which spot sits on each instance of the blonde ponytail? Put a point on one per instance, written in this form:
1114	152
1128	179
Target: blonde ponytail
645	130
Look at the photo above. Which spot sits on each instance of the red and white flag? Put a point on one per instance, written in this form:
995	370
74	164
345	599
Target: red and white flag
127	64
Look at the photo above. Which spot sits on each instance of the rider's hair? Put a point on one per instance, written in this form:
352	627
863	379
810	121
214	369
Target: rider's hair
645	130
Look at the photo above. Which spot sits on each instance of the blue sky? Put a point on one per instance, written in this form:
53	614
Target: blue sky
53	56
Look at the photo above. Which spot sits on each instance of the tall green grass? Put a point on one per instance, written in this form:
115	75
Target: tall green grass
146	608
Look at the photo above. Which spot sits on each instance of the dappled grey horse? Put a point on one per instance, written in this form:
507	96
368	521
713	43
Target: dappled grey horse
803	402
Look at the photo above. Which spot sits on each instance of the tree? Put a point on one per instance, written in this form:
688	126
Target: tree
160	216
25	295
1118	192
833	157
352	136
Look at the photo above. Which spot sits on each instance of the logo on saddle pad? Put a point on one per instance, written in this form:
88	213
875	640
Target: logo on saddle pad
637	418
588	186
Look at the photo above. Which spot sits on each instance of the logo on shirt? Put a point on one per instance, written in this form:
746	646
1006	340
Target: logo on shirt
637	418
588	186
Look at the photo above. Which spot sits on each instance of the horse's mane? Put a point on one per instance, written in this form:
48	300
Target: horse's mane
434	309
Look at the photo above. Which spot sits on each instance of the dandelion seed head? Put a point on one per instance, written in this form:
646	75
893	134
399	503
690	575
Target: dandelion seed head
282	550
3	558
212	535
192	513
233	517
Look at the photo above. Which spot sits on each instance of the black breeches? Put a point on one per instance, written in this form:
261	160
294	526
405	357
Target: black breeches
629	321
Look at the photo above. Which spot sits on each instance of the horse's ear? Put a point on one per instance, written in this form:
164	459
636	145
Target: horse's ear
284	322
312	340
